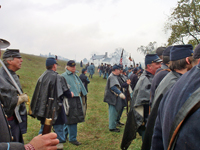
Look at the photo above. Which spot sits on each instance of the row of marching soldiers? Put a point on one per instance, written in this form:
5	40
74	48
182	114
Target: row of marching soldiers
58	99
165	102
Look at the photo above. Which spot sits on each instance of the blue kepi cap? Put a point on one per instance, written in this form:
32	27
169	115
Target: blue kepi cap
151	58
116	67
50	61
181	51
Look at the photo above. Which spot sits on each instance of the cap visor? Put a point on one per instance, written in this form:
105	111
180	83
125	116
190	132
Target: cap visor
4	43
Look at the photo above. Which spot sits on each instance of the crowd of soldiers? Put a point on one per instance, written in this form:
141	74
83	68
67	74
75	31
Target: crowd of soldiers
106	69
165	103
163	99
58	100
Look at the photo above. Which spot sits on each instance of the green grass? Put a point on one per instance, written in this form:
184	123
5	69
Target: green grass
93	133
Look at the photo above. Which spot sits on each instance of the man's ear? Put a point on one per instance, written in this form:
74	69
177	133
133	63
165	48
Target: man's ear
148	66
9	62
188	60
198	60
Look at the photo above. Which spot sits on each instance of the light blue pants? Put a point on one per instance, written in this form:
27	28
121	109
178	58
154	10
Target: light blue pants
119	115
113	114
59	130
71	129
100	72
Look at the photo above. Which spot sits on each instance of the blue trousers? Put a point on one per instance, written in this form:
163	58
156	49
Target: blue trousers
104	75
91	75
100	72
113	114
71	129
59	129
119	115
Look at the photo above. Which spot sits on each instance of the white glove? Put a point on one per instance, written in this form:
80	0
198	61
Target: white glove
122	96
22	98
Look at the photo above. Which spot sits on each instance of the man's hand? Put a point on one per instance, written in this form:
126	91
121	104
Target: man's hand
22	98
72	94
128	81
122	96
45	142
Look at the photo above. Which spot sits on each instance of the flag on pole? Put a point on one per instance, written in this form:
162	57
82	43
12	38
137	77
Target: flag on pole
133	63
130	58
121	57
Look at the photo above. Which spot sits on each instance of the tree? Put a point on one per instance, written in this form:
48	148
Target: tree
184	23
149	49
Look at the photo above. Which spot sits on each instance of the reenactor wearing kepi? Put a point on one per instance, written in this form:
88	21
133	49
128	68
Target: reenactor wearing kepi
91	70
180	62
161	72
85	82
6	139
101	69
76	106
11	98
126	89
104	71
178	128
114	97
141	94
49	94
134	78
137	116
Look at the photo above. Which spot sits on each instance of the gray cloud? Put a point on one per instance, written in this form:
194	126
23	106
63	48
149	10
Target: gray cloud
78	28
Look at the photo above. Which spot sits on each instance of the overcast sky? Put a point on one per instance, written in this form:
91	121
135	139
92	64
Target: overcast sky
76	29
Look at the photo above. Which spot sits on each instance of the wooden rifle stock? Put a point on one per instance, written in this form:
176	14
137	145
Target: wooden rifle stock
48	124
49	119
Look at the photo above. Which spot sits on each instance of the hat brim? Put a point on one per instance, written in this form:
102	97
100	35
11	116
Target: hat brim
157	60
4	43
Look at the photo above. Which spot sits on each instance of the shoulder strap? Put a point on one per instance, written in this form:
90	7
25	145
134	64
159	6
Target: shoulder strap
188	108
163	70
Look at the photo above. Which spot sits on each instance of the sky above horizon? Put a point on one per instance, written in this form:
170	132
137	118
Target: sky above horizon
76	29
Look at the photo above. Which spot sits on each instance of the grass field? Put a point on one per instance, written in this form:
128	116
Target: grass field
93	133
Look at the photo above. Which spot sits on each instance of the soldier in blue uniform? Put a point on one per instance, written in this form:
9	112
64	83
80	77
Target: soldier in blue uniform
141	95
114	97
180	62
51	85
180	100
176	103
161	72
139	111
